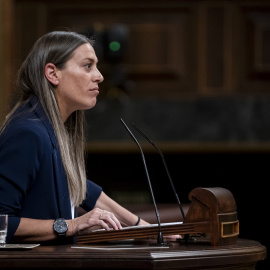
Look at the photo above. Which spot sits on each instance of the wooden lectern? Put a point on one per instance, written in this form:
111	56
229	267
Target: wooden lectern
212	214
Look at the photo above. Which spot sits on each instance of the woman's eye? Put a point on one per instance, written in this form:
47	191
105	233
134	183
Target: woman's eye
88	65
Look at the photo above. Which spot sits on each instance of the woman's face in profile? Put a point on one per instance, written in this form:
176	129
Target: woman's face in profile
78	81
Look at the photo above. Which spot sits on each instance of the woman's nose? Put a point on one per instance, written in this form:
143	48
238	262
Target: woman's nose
98	76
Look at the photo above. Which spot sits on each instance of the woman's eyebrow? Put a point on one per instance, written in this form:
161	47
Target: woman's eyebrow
91	59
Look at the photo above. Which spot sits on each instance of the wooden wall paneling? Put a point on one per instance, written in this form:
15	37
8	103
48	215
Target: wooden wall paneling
158	57
261	44
215	48
201	48
30	24
6	56
254	74
230	56
157	53
178	49
229	48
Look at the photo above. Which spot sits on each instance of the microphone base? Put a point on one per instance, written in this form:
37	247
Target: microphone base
160	241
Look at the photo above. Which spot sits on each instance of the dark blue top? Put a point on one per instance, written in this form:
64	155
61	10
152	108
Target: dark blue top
33	183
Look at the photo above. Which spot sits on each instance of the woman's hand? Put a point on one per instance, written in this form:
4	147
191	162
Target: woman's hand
96	217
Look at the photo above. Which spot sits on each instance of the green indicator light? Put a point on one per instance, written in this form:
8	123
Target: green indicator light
115	46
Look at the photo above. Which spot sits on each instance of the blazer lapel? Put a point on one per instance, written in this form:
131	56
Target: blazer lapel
61	185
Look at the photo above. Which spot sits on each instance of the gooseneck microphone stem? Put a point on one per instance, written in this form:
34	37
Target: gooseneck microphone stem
160	236
166	167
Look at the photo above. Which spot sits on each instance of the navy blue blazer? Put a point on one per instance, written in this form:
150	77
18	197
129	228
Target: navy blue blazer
33	183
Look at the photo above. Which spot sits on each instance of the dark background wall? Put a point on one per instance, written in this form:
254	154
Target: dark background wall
193	75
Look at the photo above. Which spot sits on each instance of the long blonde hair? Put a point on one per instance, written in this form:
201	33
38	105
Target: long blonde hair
57	48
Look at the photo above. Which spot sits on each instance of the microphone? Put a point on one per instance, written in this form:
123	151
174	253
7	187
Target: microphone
160	236
167	170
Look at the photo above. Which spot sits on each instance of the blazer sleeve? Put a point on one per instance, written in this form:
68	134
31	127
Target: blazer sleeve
21	151
92	194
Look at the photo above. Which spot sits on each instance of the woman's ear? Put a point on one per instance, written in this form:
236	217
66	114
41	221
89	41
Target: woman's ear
51	74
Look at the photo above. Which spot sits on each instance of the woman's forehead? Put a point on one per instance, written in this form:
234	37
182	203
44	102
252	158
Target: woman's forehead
85	51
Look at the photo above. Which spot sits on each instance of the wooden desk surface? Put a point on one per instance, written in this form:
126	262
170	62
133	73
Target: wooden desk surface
137	255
